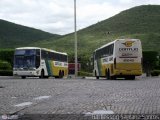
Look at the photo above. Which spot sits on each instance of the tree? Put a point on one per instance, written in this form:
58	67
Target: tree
149	61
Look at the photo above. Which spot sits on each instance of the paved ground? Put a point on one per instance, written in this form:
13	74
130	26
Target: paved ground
79	96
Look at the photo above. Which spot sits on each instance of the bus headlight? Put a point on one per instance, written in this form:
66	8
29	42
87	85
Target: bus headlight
32	68
37	72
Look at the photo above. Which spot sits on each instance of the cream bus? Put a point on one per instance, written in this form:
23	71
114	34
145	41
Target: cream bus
39	62
120	58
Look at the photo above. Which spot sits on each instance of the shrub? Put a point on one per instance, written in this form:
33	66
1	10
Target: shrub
150	57
82	73
4	65
7	55
155	73
6	73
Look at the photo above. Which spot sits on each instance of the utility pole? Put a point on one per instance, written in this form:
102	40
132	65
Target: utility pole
75	34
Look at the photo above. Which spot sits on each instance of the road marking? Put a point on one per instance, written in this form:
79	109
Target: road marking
42	97
30	103
100	112
103	112
23	104
13	97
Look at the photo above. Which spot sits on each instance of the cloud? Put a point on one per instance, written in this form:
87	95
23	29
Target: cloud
38	13
126	1
57	16
92	13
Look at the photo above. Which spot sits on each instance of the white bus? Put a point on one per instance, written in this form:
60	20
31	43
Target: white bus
39	62
120	58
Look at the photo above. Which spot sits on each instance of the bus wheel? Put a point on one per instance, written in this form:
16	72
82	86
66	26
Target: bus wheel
60	74
113	77
63	73
97	77
108	75
42	74
46	77
56	77
131	77
23	77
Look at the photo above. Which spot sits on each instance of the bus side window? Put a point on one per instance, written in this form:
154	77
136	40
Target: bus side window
43	54
38	52
64	58
56	57
96	55
61	58
37	58
50	56
37	61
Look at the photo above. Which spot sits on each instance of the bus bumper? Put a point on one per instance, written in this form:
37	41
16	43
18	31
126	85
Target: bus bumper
128	72
26	73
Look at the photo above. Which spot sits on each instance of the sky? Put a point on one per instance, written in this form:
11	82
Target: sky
57	16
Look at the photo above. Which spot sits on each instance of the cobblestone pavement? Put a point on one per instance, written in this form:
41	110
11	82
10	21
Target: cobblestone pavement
79	96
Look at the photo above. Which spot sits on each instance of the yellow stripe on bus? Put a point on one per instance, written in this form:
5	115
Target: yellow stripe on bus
129	66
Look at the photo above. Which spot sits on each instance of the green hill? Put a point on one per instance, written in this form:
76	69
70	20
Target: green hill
140	22
14	35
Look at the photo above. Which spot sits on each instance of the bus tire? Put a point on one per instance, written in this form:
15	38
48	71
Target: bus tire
130	77
60	74
46	77
42	74
56	77
113	77
23	77
133	77
97	77
108	74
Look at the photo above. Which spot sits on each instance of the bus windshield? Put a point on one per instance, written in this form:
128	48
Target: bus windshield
25	58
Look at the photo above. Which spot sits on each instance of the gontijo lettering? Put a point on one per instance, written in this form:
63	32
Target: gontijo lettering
128	49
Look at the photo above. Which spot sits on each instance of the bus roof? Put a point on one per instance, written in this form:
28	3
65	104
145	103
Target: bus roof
21	48
54	51
114	42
